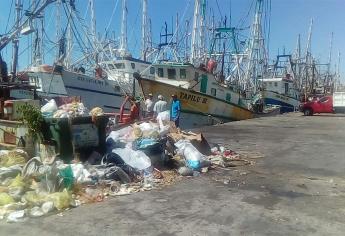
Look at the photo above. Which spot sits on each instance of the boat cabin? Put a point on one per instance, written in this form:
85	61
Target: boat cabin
281	85
187	76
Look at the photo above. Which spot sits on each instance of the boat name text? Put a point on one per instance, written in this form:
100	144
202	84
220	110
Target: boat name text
192	98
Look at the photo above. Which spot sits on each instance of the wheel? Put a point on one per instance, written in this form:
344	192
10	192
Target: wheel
308	112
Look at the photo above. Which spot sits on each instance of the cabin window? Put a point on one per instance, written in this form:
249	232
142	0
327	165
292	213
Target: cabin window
152	70
111	67
196	76
160	72
120	65
117	88
213	92
182	73
286	88
133	65
171	74
228	97
275	84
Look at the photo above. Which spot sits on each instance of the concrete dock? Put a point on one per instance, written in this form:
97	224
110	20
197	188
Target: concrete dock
296	186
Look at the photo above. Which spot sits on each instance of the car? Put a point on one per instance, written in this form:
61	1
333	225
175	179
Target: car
318	105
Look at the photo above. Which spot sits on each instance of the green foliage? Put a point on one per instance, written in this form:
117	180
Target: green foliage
33	118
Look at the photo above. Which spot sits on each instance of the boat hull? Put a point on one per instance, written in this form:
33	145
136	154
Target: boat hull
286	103
197	109
93	92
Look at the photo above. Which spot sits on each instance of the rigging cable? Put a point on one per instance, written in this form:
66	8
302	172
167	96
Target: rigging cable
110	20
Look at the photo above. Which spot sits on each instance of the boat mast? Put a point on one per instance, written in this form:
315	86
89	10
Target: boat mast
144	27
194	45
69	39
308	60
330	53
123	39
58	27
255	51
93	21
19	7
202	30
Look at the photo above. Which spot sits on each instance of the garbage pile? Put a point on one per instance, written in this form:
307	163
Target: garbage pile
68	110
138	157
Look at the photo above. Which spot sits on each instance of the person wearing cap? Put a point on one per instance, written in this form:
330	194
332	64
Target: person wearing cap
149	106
160	105
175	110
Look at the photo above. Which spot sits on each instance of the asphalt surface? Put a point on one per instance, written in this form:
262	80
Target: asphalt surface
296	186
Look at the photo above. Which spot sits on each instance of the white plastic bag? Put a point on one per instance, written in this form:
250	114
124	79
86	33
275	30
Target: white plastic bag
80	174
135	159
191	154
124	134
163	119
50	107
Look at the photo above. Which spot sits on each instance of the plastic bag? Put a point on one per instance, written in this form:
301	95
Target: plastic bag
47	207
135	159
116	138
10	172
12	158
191	154
33	198
17	182
163	119
61	200
145	142
80	174
97	111
67	175
50	107
5	199
17	216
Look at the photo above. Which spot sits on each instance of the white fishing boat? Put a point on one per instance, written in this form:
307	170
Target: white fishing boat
280	86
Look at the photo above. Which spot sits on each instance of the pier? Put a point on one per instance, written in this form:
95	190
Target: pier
294	186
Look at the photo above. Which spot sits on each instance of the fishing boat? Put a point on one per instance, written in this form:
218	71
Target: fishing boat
280	88
204	100
103	84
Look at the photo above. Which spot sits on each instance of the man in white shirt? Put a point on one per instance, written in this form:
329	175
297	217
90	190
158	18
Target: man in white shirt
149	106
160	105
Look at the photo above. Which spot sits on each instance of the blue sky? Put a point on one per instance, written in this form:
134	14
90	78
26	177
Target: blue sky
288	19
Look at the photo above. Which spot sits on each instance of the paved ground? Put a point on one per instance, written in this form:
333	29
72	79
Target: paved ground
297	188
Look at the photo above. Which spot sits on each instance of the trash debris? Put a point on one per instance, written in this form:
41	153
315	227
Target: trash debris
191	154
5	199
185	171
16	216
138	157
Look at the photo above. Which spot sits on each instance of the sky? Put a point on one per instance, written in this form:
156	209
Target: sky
288	19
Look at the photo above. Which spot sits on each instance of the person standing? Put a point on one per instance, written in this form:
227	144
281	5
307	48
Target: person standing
175	110
160	105
149	106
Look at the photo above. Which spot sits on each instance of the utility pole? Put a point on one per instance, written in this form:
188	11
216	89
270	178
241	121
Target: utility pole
19	7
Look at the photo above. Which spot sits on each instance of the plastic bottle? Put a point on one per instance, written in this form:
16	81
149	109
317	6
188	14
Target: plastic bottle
148	177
